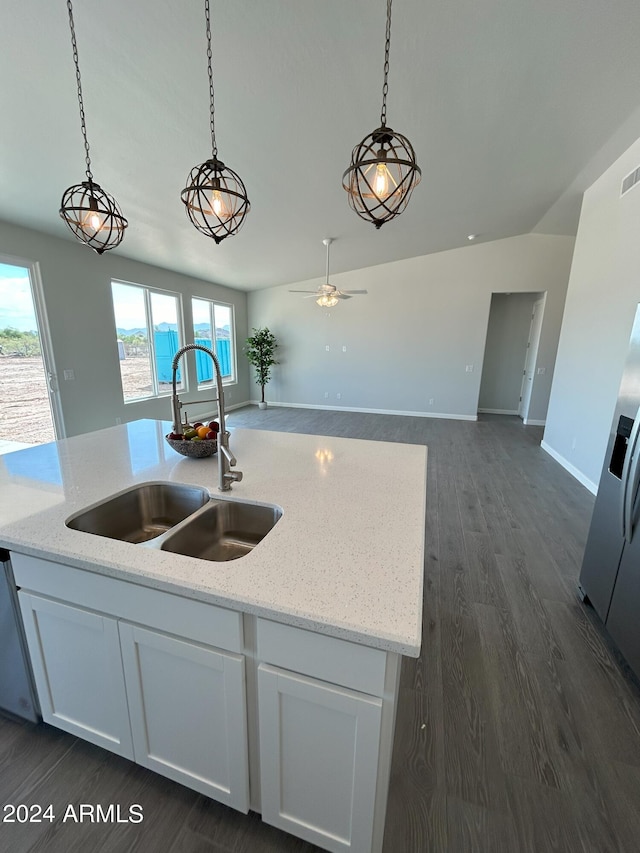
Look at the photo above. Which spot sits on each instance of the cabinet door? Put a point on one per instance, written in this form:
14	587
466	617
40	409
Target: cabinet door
319	748
77	667
188	713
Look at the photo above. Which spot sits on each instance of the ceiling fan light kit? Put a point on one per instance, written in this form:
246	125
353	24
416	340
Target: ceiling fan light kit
328	295
383	172
91	213
215	197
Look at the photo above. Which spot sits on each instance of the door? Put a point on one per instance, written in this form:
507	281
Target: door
188	713
319	747
532	356
77	668
30	411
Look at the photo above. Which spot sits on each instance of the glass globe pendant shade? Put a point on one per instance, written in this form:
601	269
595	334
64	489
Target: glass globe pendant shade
327	300
382	175
215	199
93	216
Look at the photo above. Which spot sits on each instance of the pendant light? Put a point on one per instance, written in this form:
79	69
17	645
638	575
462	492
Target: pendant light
383	170
90	212
215	197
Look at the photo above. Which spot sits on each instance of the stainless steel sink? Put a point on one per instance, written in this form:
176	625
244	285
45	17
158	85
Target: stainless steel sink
141	513
225	530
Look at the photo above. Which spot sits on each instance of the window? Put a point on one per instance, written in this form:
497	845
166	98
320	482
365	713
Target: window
149	333
208	316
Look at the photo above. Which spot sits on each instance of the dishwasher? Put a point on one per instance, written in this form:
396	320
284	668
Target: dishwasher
17	690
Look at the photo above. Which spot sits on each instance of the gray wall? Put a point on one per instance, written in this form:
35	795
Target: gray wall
77	292
505	351
411	338
604	290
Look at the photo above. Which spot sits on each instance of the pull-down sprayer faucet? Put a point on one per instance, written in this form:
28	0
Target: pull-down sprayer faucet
226	459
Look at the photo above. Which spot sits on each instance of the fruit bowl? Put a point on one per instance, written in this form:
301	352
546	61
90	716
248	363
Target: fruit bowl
194	449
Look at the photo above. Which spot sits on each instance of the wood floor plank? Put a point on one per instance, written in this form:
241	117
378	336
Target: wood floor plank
416	816
517	703
531	622
606	704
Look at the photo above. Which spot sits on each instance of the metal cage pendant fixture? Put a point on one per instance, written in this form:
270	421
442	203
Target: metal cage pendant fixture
383	171
215	198
91	213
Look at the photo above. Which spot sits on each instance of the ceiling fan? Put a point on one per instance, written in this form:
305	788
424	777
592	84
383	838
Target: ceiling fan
327	295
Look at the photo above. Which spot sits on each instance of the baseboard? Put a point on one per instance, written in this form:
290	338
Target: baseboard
533	422
369	411
498	411
575	472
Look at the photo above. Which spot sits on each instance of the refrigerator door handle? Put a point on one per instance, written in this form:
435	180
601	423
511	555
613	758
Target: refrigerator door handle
630	480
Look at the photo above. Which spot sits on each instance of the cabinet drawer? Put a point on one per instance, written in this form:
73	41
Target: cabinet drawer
328	658
185	617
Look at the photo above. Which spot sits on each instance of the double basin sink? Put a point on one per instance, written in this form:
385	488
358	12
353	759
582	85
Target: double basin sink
179	518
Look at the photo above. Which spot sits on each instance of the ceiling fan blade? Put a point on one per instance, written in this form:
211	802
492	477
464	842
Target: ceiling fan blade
355	291
339	294
304	291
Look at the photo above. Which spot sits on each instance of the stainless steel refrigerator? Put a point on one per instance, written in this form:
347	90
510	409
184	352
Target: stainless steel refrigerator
610	575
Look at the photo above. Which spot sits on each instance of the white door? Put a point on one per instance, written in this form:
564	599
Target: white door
75	655
30	411
188	713
531	358
319	747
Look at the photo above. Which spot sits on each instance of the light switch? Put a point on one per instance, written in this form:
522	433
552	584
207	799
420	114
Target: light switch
69	375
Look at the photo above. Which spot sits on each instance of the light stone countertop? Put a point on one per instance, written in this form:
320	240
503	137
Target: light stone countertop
346	558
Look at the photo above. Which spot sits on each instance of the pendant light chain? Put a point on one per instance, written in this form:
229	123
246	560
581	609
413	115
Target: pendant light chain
385	86
79	84
212	108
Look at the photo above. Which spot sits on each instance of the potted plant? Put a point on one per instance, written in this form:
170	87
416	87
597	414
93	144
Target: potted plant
260	350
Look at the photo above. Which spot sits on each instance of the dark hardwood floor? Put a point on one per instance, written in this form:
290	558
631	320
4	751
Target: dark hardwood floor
518	728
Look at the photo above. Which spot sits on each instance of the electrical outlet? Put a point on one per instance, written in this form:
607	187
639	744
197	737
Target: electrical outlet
326	395
327	347
344	349
338	395
69	375
118	421
431	401
469	368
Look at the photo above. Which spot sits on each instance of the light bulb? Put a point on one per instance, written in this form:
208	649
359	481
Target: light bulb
94	221
381	182
218	206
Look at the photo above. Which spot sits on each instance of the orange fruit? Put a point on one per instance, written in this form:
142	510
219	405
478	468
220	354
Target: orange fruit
202	431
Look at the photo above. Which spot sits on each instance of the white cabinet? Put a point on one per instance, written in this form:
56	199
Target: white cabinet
319	747
155	687
78	671
187	710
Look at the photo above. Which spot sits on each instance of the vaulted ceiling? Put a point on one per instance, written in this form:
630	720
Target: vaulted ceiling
511	106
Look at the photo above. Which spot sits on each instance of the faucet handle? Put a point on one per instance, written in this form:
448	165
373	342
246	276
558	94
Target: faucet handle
234	476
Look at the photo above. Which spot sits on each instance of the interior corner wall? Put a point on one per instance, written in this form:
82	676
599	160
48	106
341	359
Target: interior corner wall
412	339
602	298
77	292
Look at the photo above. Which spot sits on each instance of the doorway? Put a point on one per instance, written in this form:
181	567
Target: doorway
30	410
511	350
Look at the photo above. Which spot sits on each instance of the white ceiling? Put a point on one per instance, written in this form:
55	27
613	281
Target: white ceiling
509	105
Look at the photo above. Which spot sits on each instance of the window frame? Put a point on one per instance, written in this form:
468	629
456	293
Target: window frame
212	303
148	290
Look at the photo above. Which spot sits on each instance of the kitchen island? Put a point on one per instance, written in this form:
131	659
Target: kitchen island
297	645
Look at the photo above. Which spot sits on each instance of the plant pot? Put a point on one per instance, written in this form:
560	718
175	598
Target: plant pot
262	405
